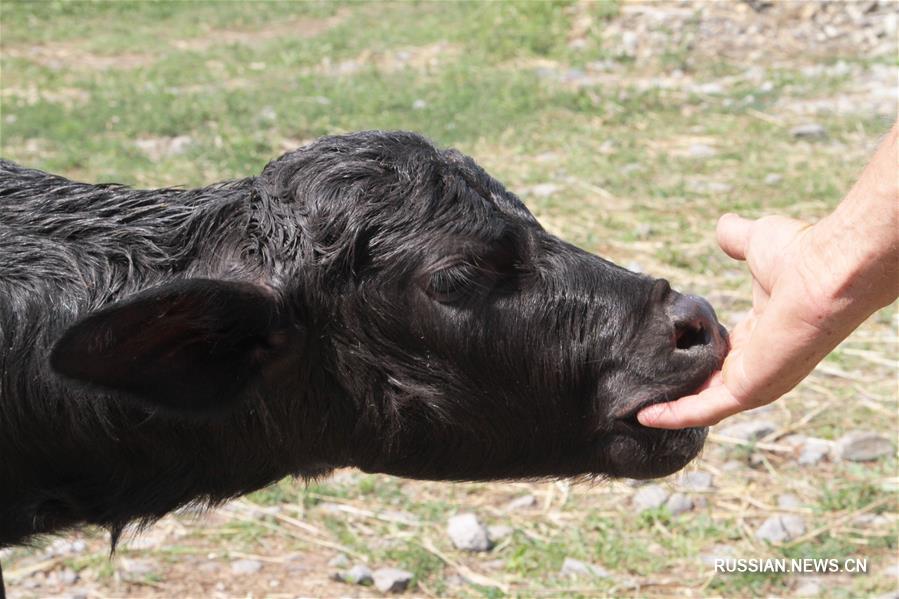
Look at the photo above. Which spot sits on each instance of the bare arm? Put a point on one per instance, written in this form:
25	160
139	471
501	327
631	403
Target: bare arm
812	286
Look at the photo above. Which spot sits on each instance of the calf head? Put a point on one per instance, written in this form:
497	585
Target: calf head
399	298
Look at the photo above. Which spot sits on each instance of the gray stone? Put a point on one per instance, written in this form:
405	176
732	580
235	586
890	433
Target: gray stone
781	528
871	521
575	567
467	533
499	532
137	566
679	503
711	88
807	588
544	190
246	566
718	551
788	501
732	466
701	151
629	40
751	430
699	186
650	497
391	580
813	450
68	577
522	503
773	179
863	446
358	574
339	561
695	481
810	131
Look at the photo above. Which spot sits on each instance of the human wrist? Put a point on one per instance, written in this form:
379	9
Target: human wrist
856	260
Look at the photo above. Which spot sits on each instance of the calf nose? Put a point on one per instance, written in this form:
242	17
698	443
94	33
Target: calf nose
694	323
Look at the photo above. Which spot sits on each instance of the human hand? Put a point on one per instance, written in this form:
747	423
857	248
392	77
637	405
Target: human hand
812	285
778	343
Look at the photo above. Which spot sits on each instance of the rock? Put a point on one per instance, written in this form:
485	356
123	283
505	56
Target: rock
68	577
781	528
863	446
712	88
773	179
499	532
701	151
467	533
871	521
788	501
544	190
522	503
751	430
809	131
137	567
699	186
629	40
358	574
679	503
695	481
807	588
391	580
246	566
650	497
718	552
732	466
813	450
575	567
339	561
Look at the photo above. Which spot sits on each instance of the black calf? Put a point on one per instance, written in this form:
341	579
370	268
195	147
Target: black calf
368	301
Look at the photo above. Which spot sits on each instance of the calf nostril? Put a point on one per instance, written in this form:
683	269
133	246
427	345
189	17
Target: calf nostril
690	334
693	321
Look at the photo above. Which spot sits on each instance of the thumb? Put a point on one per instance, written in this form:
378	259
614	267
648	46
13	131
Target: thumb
733	235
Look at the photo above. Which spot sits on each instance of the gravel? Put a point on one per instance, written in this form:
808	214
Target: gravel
246	566
391	580
575	567
467	533
695	481
499	532
813	450
358	574
650	497
781	528
863	446
809	131
679	503
522	503
750	430
788	501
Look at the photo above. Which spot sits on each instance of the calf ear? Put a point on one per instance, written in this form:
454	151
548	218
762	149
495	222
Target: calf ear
189	346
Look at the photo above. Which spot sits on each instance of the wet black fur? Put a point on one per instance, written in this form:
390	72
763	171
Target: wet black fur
368	300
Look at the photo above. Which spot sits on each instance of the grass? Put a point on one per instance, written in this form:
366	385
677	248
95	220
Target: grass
99	90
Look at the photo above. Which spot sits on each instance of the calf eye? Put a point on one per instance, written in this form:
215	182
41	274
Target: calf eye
452	284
